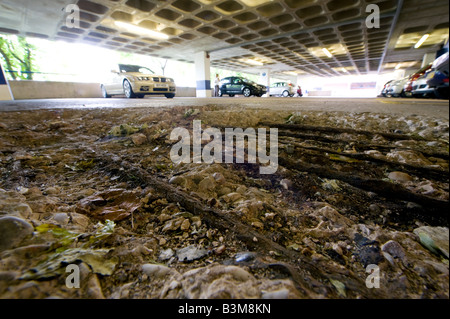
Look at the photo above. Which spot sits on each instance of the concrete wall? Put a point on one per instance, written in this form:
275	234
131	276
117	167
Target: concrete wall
319	93
186	92
47	90
24	90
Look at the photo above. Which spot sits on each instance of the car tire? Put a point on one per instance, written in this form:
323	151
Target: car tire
105	93
231	95
285	94
441	93
247	92
128	90
141	96
220	93
170	96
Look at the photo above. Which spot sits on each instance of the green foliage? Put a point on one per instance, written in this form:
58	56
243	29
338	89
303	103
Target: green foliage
65	237
64	252
17	54
102	232
124	130
55	264
81	165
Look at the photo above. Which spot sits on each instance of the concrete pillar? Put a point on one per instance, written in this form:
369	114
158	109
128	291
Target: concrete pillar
264	79
5	90
399	74
203	74
428	58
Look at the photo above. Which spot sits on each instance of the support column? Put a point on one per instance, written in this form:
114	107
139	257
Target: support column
399	74
203	74
428	58
264	79
5	90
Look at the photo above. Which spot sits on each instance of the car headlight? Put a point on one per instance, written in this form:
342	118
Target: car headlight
143	78
169	80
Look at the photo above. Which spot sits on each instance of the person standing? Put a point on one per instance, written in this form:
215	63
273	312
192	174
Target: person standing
216	86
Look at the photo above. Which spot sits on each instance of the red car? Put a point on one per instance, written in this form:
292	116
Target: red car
413	77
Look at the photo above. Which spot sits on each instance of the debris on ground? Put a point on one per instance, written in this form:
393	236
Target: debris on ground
98	189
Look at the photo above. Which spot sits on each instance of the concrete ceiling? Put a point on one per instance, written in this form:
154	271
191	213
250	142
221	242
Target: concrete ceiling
286	36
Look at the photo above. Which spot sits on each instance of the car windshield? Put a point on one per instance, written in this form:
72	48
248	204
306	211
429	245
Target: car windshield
126	68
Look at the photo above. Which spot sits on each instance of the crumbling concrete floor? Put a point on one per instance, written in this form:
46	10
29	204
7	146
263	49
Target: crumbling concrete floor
97	188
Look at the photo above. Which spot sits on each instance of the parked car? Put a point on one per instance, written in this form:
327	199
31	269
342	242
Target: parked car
420	87
282	89
236	85
137	81
413	77
438	78
396	89
386	87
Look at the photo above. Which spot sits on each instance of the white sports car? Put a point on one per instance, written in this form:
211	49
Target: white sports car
137	81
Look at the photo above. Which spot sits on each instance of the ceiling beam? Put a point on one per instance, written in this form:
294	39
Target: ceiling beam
308	30
391	32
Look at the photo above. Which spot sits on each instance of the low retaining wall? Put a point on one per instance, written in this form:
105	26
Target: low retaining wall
319	93
24	90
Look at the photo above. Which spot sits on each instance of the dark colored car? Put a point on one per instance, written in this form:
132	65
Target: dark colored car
438	78
236	85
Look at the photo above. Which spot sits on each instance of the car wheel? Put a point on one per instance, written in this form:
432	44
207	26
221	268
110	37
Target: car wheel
231	95
128	90
441	93
104	93
220	93
285	94
170	96
247	92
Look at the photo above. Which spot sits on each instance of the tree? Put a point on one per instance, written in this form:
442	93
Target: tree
18	54
163	66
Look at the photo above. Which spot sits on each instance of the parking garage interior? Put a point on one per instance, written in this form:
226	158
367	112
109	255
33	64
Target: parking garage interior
362	178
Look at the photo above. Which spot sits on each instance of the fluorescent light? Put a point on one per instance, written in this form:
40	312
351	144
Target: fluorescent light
398	66
134	28
344	70
421	41
327	53
253	62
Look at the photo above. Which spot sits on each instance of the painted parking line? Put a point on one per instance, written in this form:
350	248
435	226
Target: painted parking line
409	102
